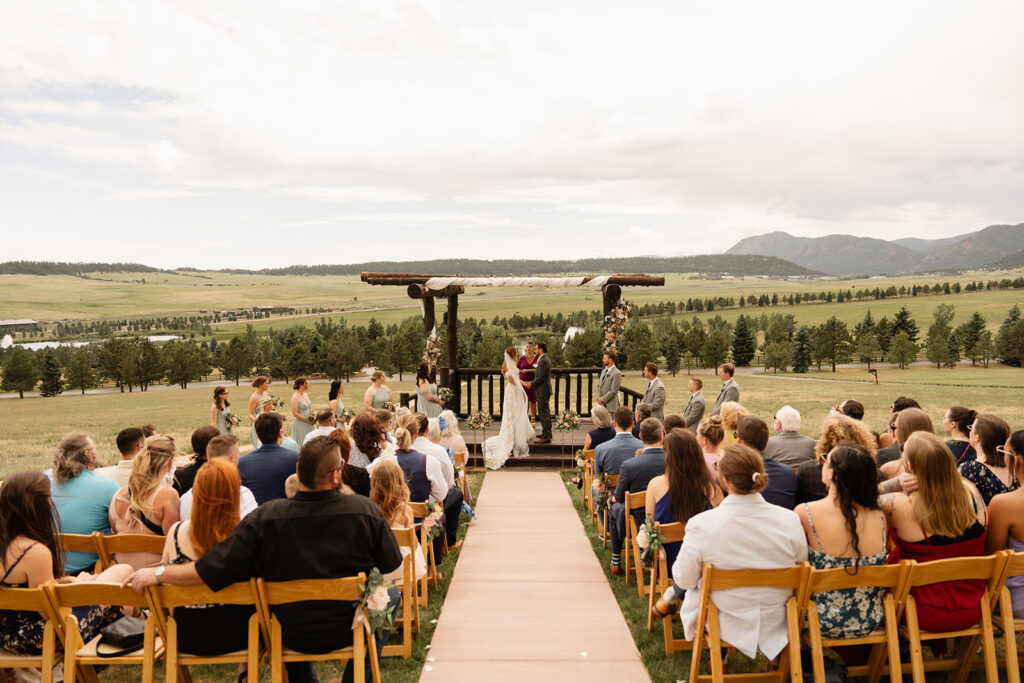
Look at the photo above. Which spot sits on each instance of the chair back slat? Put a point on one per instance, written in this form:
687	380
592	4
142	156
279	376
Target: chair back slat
672	532
79	543
635	501
169	597
405	537
419	509
954	569
588	453
282	592
132	543
885	576
612	480
94	593
725	579
1015	567
24	599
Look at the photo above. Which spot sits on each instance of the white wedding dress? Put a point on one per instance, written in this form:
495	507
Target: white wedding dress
516	434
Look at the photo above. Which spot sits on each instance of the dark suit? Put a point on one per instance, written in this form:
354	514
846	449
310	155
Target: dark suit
265	470
634	475
782	484
541	386
694	412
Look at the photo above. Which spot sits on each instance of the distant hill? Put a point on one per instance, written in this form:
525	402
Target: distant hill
711	264
1014	260
850	255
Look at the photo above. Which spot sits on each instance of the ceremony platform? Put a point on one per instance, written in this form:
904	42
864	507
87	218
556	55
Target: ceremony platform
529	600
549	455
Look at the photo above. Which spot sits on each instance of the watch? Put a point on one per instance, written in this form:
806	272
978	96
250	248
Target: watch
159	575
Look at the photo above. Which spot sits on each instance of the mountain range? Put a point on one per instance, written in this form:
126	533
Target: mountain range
994	246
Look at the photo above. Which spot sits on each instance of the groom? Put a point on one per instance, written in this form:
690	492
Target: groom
541	385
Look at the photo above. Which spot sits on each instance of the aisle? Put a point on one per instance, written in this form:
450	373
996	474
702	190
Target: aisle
529	601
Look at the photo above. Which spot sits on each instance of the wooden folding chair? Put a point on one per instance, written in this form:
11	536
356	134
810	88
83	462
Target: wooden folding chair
883	639
420	511
83	543
406	538
110	546
611	481
33	600
163	600
792	578
462	461
634	501
588	480
1010	624
347	589
79	653
988	569
661	579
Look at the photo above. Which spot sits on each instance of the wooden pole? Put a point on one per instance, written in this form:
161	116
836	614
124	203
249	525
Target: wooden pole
428	315
611	294
450	375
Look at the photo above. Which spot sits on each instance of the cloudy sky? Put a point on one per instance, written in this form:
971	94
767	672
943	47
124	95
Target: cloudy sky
254	134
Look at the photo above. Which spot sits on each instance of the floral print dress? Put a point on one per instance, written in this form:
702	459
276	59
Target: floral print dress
849	612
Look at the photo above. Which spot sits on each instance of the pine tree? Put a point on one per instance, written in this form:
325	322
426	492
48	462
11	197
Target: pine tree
1010	339
80	374
20	371
801	350
952	351
904	322
902	350
968	334
867	348
51	383
937	341
743	342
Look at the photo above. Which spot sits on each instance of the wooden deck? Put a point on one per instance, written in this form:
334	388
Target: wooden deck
550	455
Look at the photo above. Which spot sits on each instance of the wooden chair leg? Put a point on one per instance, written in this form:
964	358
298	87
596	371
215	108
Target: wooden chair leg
49	652
650	596
1009	636
988	641
277	673
793	649
916	656
814	630
627	547
892	645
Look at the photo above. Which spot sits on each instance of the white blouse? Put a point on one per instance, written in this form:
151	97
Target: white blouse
744	532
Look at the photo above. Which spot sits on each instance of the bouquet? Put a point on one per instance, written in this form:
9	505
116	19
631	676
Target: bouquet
274	401
614	324
347	415
445	395
600	491
376	601
232	420
478	419
433	521
649	539
568	419
389	406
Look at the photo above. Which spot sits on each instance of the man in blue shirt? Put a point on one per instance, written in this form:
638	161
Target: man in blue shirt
265	470
634	475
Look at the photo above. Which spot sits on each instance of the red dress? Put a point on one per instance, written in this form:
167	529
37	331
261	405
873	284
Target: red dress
527	373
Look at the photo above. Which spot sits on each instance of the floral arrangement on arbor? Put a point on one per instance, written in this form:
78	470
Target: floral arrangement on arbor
445	395
376	602
649	538
433	350
614	324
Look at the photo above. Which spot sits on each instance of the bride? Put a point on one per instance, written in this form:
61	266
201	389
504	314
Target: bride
516	431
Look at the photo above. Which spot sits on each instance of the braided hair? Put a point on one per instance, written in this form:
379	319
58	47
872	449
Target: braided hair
855	478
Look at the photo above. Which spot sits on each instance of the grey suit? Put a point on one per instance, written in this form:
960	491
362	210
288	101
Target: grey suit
730	392
790	448
541	386
694	412
608	388
609	456
655	398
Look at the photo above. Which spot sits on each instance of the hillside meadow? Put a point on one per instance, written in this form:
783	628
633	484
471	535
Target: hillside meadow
33	426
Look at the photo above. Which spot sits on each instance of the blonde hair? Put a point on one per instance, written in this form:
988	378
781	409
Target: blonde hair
406	432
451	424
158	451
71	456
941	504
837	428
389	490
601	417
377	374
731	413
711	429
911	420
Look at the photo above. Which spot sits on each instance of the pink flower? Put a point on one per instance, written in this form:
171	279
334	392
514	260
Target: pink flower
379	600
641	538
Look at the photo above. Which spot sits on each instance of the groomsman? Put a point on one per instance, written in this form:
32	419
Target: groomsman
655	394
730	389
694	412
609	382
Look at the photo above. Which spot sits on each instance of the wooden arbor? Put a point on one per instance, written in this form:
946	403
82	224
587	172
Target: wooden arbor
425	288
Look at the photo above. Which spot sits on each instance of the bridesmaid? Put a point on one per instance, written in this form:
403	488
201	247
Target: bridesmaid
527	365
378	393
427	401
334	398
220	411
300	411
262	384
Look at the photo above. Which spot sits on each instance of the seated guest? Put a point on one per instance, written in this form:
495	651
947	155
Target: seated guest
851	407
149	504
265	469
423	473
711	437
1006	519
368	440
609	456
643	411
387	422
209	629
789	446
81	498
224	447
781	490
744	532
836	429
889	438
847	529
451	437
184	476
326	423
731	413
989	472
353	479
686	489
957	423
452	500
674	421
603	430
634	475
945	517
319	534
390	492
129	443
266	408
30	556
903	425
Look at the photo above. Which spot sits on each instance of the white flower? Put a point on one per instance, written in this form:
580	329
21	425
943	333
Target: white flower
379	600
641	538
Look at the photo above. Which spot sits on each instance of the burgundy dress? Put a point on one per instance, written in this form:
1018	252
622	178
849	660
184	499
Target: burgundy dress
527	373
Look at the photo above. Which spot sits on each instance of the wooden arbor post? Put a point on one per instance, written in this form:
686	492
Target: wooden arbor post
611	293
449	374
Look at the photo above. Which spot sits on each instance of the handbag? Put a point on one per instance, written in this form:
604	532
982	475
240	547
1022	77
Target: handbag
121	637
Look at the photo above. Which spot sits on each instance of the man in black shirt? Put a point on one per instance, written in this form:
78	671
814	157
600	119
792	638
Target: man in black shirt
319	534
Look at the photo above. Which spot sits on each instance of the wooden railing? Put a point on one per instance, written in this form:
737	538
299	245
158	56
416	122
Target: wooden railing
484	389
